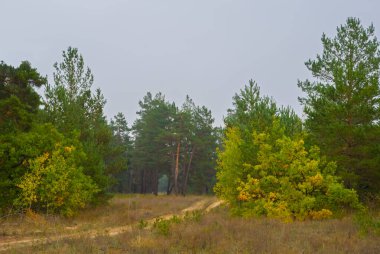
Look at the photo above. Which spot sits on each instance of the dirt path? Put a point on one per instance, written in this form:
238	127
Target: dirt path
7	244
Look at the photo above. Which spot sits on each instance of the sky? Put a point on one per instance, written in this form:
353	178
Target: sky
207	49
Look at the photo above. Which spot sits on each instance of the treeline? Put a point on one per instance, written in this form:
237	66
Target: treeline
174	144
170	149
271	163
58	152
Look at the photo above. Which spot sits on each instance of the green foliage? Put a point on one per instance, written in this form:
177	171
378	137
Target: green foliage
55	183
265	169
18	101
152	142
342	104
72	107
17	149
175	219
142	224
162	226
286	182
118	156
194	216
176	142
251	113
367	222
35	173
20	82
14	115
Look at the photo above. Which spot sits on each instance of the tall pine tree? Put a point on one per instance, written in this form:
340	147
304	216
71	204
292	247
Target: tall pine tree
342	103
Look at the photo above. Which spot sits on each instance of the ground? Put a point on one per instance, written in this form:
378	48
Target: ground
170	224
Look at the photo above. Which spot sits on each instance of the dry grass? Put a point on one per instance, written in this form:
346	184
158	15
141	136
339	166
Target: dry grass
214	232
121	210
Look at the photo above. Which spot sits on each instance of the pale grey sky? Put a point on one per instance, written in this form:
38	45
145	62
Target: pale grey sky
208	49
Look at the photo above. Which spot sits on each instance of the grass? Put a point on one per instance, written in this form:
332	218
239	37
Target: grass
121	210
214	232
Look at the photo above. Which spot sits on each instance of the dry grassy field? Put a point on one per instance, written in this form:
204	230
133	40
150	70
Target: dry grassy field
189	231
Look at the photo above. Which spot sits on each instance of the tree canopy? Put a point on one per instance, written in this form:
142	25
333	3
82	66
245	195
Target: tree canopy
264	168
59	152
342	103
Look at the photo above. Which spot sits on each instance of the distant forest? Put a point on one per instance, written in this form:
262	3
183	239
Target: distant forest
59	153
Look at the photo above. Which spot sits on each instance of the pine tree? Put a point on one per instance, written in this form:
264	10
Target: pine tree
342	103
73	108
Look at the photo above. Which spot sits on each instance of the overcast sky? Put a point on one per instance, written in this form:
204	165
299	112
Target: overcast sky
206	49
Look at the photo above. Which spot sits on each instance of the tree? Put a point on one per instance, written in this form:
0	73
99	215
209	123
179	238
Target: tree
119	154
55	183
252	113
286	181
178	143
20	82
199	154
18	148
153	142
72	107
342	104
19	106
263	167
19	102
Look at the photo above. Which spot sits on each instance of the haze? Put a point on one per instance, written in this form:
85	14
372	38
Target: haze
206	49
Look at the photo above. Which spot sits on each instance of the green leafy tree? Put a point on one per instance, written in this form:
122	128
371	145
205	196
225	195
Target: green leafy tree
19	101
286	181
178	143
263	167
20	82
153	145
19	104
255	113
55	183
119	155
342	103
72	107
17	149
198	167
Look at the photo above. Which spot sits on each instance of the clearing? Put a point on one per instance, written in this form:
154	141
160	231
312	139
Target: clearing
176	224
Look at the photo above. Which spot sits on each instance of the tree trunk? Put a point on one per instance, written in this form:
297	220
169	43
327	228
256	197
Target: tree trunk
171	176
142	182
176	171
169	187
155	182
187	172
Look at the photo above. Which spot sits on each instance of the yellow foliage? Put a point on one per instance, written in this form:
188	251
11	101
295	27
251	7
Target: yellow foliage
243	196
277	176
272	196
55	183
69	149
316	180
320	215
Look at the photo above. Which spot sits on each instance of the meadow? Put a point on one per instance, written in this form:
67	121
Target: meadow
177	224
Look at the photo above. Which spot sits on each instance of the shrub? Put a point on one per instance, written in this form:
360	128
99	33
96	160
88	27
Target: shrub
55	184
162	226
285	180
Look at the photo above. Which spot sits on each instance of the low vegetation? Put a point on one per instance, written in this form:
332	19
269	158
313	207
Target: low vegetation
280	177
212	232
121	210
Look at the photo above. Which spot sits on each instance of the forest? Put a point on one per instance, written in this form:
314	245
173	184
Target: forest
59	154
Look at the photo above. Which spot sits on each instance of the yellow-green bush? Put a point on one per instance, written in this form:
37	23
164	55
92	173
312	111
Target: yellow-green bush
282	179
55	184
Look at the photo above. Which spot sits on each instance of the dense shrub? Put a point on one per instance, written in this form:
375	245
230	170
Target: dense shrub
55	184
285	180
